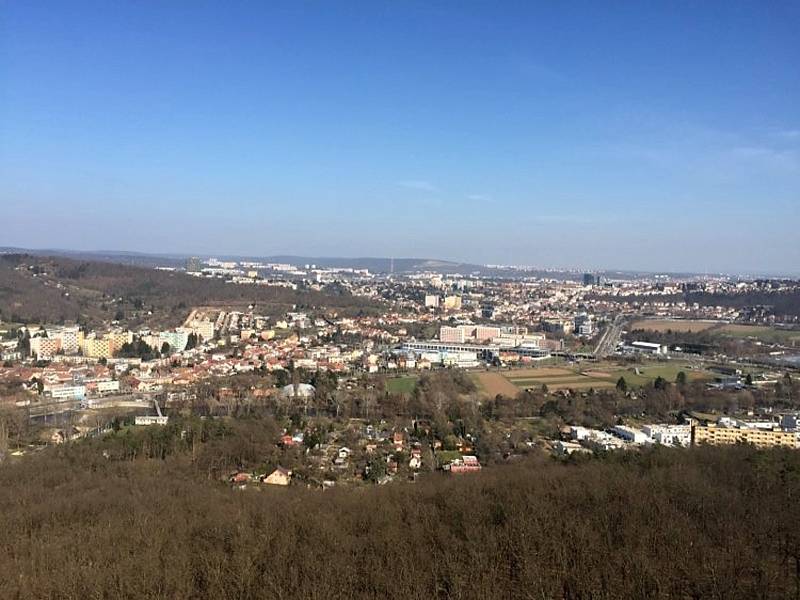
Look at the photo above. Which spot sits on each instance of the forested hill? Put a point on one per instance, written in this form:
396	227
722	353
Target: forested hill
664	523
55	289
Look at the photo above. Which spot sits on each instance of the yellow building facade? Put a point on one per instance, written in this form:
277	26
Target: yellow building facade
762	438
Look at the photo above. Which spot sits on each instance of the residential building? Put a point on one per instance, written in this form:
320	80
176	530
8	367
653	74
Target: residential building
452	334
452	302
630	434
71	338
177	340
669	435
44	348
279	476
95	347
763	438
584	325
465	464
65	392
431	301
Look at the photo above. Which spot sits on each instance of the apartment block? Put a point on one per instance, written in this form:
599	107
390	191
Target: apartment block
44	348
762	438
452	302
451	334
94	347
432	301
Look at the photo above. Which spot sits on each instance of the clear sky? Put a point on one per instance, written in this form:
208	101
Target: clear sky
659	136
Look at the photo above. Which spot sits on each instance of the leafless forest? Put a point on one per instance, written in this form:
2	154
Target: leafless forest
706	523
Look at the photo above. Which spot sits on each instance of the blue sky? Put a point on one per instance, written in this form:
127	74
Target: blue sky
591	135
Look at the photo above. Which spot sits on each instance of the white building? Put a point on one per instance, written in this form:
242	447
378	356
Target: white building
460	359
669	435
584	325
151	420
66	392
648	347
630	434
177	340
107	385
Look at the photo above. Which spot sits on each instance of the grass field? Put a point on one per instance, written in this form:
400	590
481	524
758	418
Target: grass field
401	385
762	333
683	326
598	375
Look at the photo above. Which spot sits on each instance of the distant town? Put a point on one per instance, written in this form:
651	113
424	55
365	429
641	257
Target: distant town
354	391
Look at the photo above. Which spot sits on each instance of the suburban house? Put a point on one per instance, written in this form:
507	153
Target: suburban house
279	476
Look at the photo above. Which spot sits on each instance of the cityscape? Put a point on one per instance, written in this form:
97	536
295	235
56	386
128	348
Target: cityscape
452	300
729	341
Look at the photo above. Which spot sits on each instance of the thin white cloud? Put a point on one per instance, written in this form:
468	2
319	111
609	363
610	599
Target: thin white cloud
418	184
789	134
479	197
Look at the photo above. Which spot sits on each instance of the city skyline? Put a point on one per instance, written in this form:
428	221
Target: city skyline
652	139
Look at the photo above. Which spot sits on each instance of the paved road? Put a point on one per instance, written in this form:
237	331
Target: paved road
608	342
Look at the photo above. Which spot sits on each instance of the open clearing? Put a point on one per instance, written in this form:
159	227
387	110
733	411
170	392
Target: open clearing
602	375
762	333
598	374
680	325
581	385
494	383
542	372
401	385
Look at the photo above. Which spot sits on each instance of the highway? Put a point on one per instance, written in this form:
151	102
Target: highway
608	342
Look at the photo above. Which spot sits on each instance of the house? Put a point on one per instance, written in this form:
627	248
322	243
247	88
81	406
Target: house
466	464
240	477
279	476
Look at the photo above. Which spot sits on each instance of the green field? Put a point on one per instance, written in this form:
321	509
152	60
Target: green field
401	385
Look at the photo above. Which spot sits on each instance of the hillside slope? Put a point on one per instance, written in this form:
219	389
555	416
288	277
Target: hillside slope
55	289
704	523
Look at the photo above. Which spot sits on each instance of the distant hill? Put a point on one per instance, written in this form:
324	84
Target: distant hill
380	265
375	265
58	289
